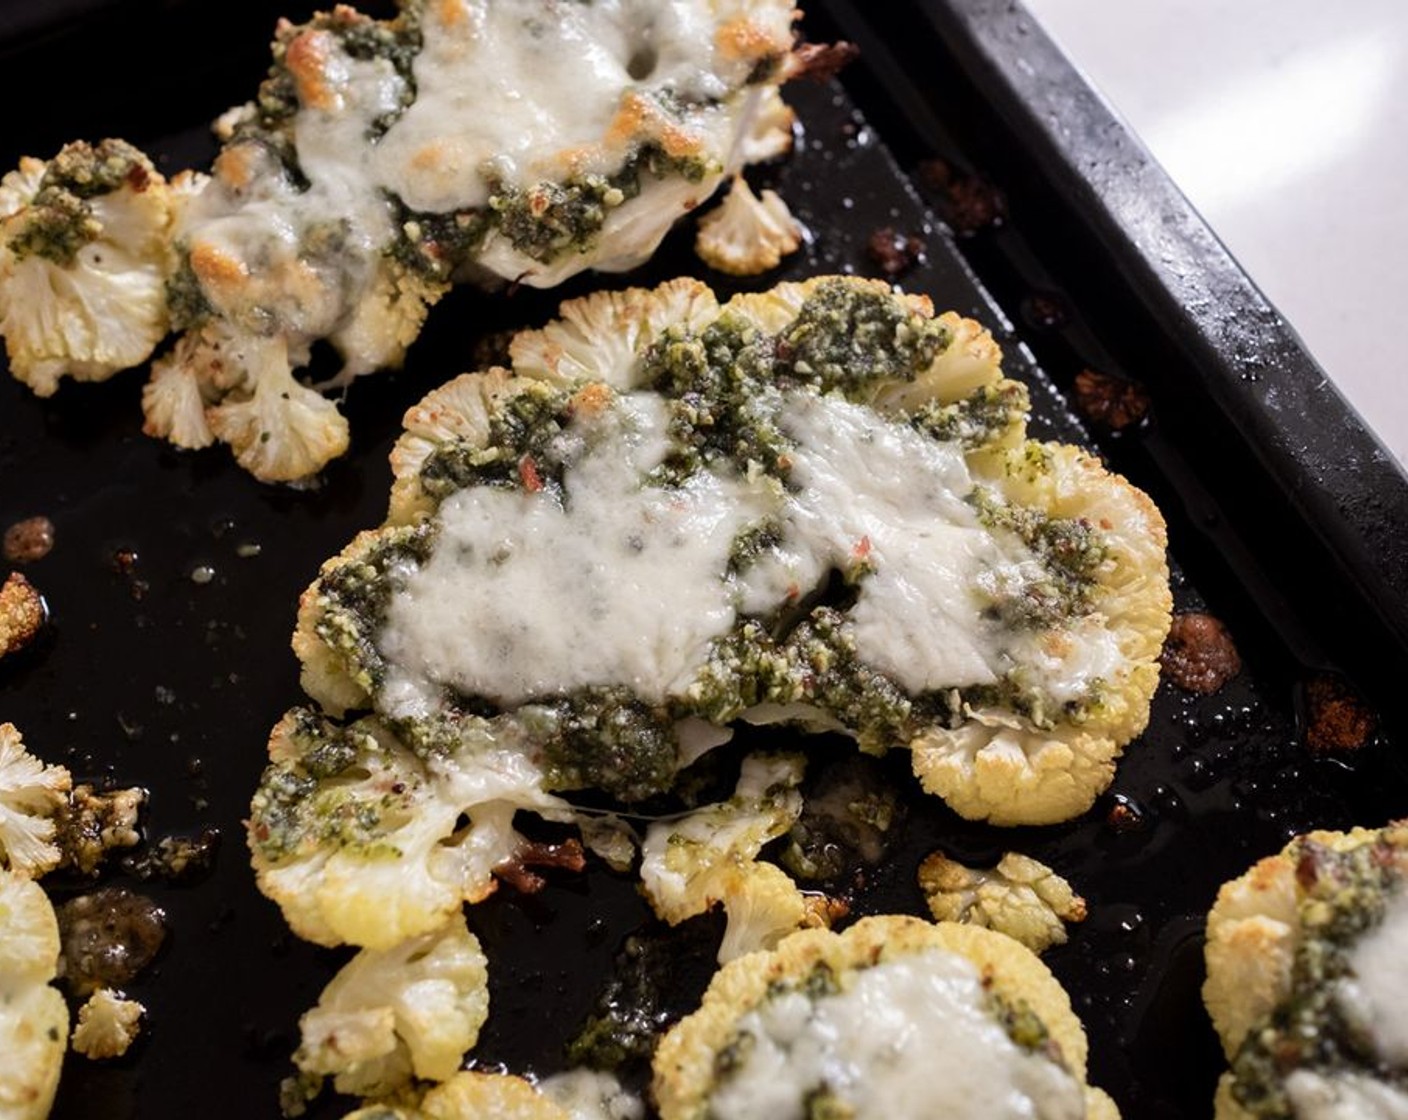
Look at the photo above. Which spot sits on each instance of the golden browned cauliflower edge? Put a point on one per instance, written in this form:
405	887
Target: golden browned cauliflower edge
684	1061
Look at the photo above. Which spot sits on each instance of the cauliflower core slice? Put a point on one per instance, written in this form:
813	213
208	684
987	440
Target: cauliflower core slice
813	505
1310	944
894	1017
33	1016
1020	897
709	856
391	1014
85	254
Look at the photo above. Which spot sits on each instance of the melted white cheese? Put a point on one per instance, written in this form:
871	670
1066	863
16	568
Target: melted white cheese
526	596
875	488
621	583
1376	999
590	1095
293	285
910	1037
1343	1096
522	90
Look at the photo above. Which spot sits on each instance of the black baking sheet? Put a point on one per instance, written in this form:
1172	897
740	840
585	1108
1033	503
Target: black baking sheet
146	676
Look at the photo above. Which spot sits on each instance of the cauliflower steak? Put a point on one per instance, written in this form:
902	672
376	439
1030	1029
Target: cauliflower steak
894	1017
1306	980
496	141
813	506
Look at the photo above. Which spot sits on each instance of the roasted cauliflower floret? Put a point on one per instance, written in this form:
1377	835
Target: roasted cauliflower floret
1304	958
84	259
356	836
993	604
894	1017
31	794
108	1024
392	1014
709	856
1020	897
473	1094
747	234
33	1016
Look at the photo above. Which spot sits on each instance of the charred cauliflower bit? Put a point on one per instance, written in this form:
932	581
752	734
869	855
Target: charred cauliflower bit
1020	897
89	824
84	257
1014	655
22	614
107	1026
811	1028
33	1016
393	1014
709	856
31	794
747	234
1304	960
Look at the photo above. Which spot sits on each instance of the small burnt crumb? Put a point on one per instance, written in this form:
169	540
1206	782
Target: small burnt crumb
1110	400
108	938
124	561
29	540
1125	815
822	61
1336	717
491	350
893	251
1199	655
517	872
969	202
22	614
1046	311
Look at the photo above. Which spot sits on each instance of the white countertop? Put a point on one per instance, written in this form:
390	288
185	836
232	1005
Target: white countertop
1286	124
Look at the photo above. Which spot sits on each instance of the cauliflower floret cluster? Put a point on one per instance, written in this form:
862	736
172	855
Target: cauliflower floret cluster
747	233
393	1014
358	838
108	1024
31	794
709	857
1020	897
1299	950
809	1028
359	185
85	254
33	1016
500	1095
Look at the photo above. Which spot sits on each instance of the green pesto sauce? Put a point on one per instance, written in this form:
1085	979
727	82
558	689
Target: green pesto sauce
979	420
59	220
299	805
437	246
1344	894
186	302
354	597
606	739
549	220
526	427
